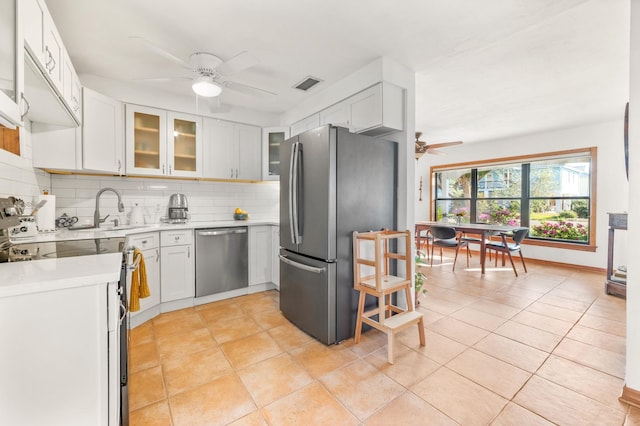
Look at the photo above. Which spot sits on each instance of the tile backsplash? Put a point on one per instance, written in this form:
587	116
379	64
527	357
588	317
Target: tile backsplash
208	201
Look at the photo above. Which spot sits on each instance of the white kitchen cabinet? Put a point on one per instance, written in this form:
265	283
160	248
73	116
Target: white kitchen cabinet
260	257
275	256
231	150
59	356
338	115
98	146
305	124
54	53
32	16
146	140
161	143
149	244
11	65
184	149
72	87
249	152
177	266
49	78
102	133
375	111
272	137
42	40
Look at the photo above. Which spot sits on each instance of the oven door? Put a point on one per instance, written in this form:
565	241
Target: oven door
118	352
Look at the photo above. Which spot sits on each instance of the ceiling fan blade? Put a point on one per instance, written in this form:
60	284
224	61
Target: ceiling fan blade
249	90
162	79
162	52
443	144
435	151
240	62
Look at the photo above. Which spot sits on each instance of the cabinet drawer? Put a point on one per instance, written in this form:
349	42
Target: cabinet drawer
176	238
144	241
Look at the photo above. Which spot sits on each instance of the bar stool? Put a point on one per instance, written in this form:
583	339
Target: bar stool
378	282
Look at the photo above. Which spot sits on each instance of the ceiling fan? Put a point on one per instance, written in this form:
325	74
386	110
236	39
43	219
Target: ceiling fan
424	148
210	71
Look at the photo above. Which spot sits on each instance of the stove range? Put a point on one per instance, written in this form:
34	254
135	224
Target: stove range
58	249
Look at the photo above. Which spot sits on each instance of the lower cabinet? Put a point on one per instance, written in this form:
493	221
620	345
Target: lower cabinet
259	255
149	244
55	357
275	256
177	266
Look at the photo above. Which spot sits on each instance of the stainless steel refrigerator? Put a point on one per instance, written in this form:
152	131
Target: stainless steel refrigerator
332	183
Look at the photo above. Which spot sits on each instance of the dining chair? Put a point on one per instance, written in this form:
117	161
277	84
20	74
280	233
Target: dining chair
505	247
423	239
447	237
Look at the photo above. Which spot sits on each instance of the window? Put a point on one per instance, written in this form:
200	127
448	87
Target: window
551	194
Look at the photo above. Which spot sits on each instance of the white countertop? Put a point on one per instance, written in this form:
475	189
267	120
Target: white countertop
35	276
122	231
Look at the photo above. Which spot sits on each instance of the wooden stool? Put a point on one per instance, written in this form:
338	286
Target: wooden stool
379	283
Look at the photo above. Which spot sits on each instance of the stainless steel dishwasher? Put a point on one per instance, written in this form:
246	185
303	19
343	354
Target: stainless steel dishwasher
221	260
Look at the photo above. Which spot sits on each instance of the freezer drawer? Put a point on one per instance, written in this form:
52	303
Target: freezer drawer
308	295
221	260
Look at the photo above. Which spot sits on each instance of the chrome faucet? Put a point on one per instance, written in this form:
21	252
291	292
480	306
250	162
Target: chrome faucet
97	220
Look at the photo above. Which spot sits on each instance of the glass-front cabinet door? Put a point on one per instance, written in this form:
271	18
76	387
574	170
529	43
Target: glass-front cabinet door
185	147
11	54
146	140
272	137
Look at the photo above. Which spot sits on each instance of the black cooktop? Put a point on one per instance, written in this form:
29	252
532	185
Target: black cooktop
19	252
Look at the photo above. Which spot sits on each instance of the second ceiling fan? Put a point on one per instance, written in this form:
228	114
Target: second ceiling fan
425	148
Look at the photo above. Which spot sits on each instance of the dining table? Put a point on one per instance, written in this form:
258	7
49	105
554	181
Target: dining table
482	230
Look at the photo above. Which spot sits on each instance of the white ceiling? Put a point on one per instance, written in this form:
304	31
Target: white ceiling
484	70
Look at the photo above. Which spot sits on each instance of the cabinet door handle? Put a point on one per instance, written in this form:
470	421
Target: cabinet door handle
236	173
157	255
26	111
170	168
231	174
119	165
49	58
163	169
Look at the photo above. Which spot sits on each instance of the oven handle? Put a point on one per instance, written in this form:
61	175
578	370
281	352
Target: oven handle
123	312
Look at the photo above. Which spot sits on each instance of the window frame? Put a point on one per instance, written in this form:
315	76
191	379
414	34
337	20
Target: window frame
523	159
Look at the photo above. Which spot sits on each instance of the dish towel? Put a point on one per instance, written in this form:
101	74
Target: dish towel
139	284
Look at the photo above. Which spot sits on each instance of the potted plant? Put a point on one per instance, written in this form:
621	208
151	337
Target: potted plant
419	277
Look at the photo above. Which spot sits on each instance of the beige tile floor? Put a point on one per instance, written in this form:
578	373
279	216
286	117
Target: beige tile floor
547	347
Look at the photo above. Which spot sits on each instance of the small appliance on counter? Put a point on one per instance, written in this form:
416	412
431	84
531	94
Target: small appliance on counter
178	209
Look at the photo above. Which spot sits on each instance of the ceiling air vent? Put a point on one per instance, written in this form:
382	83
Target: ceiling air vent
307	83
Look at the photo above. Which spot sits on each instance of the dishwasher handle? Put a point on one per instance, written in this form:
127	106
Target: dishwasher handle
222	232
302	265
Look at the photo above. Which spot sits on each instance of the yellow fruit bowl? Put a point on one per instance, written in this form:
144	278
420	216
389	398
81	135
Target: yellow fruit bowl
241	216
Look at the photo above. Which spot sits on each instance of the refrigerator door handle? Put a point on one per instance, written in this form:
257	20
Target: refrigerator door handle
293	193
302	265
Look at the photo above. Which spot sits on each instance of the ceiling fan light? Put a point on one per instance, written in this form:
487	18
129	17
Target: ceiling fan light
204	86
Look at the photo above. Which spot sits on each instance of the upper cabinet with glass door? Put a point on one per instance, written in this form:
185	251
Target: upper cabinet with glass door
272	137
11	53
184	152
161	143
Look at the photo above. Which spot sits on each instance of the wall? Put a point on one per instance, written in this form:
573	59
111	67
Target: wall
76	196
611	186
632	376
